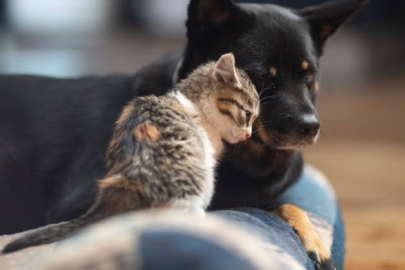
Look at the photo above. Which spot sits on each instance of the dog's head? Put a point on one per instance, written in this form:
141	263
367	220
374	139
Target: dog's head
279	48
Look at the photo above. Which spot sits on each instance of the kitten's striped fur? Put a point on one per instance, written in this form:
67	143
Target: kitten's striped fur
164	149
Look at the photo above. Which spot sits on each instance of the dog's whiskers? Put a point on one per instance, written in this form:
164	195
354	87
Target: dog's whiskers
267	98
261	91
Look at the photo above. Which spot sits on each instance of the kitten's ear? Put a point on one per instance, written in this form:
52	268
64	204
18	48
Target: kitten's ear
209	12
225	70
325	19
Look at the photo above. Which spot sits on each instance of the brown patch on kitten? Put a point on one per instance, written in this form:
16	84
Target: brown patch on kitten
273	71
326	30
120	182
305	65
119	194
300	222
317	86
125	114
146	131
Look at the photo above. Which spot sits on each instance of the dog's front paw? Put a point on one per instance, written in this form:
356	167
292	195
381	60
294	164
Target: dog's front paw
317	251
321	264
315	248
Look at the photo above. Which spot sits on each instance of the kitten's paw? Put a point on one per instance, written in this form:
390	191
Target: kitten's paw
321	264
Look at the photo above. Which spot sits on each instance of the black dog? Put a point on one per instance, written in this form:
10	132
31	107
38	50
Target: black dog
53	132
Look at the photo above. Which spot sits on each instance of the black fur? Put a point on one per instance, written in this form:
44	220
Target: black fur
327	264
53	133
53	137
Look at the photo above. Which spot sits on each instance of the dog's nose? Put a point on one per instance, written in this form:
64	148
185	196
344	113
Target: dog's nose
308	126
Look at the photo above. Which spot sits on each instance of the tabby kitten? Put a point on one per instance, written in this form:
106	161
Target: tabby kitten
164	149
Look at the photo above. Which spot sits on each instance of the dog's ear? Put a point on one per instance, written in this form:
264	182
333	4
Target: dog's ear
203	13
325	19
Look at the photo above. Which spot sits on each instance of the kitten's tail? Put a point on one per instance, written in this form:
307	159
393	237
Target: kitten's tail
116	196
50	234
58	232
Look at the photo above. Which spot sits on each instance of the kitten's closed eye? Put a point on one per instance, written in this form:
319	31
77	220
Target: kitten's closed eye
248	117
233	109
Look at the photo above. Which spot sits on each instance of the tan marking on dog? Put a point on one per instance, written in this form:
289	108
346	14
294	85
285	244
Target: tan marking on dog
125	114
305	65
254	148
146	131
273	71
326	30
317	86
300	222
262	131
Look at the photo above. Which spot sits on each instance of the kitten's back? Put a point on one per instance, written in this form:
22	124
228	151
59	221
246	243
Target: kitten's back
157	141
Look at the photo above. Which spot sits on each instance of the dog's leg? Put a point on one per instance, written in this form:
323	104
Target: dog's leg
300	222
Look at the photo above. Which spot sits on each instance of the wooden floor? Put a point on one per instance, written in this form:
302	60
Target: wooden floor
363	152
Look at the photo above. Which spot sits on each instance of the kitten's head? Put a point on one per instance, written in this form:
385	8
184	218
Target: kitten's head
235	99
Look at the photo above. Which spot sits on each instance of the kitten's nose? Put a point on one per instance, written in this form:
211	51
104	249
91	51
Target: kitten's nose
248	135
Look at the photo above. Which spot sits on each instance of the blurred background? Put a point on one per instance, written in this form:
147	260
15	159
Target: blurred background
362	102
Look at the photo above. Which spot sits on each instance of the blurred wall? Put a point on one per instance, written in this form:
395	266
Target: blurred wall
75	37
2	12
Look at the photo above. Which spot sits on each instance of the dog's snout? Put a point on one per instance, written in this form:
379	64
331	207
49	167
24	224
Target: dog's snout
308	126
